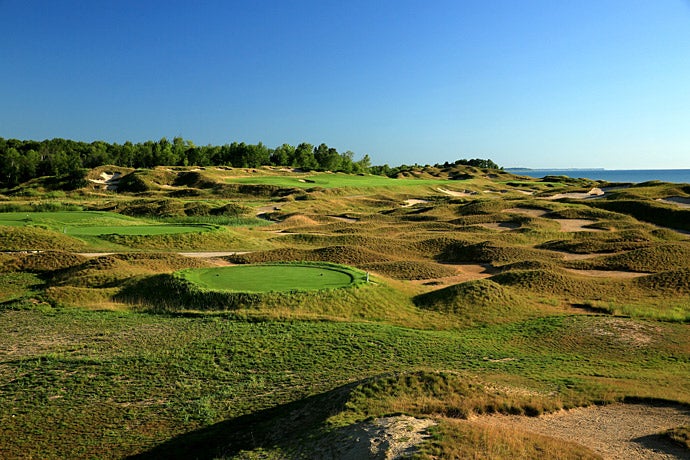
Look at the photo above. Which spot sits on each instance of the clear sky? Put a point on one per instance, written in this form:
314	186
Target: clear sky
534	83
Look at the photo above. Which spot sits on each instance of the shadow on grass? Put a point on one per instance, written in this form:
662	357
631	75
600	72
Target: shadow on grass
280	426
662	445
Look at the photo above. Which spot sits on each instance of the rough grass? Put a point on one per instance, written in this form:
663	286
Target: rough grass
488	252
37	238
460	439
356	256
659	257
410	269
681	435
477	302
136	381
664	215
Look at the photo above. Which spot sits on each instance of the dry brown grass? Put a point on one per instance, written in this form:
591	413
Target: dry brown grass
462	439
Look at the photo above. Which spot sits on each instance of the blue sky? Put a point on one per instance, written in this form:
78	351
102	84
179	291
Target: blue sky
534	83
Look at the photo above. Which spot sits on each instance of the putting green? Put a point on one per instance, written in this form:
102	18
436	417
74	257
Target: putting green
272	277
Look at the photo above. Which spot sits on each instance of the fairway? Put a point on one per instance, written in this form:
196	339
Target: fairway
335	180
266	278
95	223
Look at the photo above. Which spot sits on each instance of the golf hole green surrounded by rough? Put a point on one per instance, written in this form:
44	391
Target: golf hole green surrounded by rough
273	277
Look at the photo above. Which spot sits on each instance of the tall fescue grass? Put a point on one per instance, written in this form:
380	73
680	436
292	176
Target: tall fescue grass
461	439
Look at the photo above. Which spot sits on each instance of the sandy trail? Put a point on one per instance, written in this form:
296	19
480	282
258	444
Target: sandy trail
679	201
567	225
413	201
607	273
466	272
577	225
616	431
454	193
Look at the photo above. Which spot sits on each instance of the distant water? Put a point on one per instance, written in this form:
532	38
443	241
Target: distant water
612	175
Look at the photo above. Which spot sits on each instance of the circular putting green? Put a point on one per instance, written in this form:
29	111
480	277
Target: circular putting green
272	277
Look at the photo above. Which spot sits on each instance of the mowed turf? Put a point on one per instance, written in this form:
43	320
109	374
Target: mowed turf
266	278
95	223
334	180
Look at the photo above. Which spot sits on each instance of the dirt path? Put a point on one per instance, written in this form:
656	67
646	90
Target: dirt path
607	273
679	201
617	431
465	272
454	193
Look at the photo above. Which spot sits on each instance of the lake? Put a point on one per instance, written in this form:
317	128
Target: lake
612	175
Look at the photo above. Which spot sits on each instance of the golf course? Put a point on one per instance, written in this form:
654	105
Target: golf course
447	311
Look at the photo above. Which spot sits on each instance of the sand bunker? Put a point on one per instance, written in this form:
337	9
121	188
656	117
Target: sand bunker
386	438
465	272
567	225
577	225
500	226
110	181
607	273
679	201
531	212
411	202
454	193
617	431
593	193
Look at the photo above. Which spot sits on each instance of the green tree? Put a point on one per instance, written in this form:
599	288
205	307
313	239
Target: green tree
304	157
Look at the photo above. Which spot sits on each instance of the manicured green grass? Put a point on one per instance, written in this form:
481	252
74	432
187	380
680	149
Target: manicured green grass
168	229
272	277
95	223
337	180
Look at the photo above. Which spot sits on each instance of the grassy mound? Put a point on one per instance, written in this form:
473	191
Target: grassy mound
591	243
476	302
113	270
553	282
488	252
358	302
410	269
36	238
211	238
661	214
440	393
660	257
672	282
336	254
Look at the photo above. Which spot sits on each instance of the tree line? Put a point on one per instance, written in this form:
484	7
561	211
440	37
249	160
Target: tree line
21	160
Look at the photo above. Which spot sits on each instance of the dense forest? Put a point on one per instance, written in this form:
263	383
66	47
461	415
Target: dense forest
21	160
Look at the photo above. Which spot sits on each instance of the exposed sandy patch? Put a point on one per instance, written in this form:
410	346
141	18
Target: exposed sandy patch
679	201
412	201
265	209
349	220
577	225
387	438
570	256
109	180
607	273
531	212
500	226
617	431
596	192
300	220
465	272
454	193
